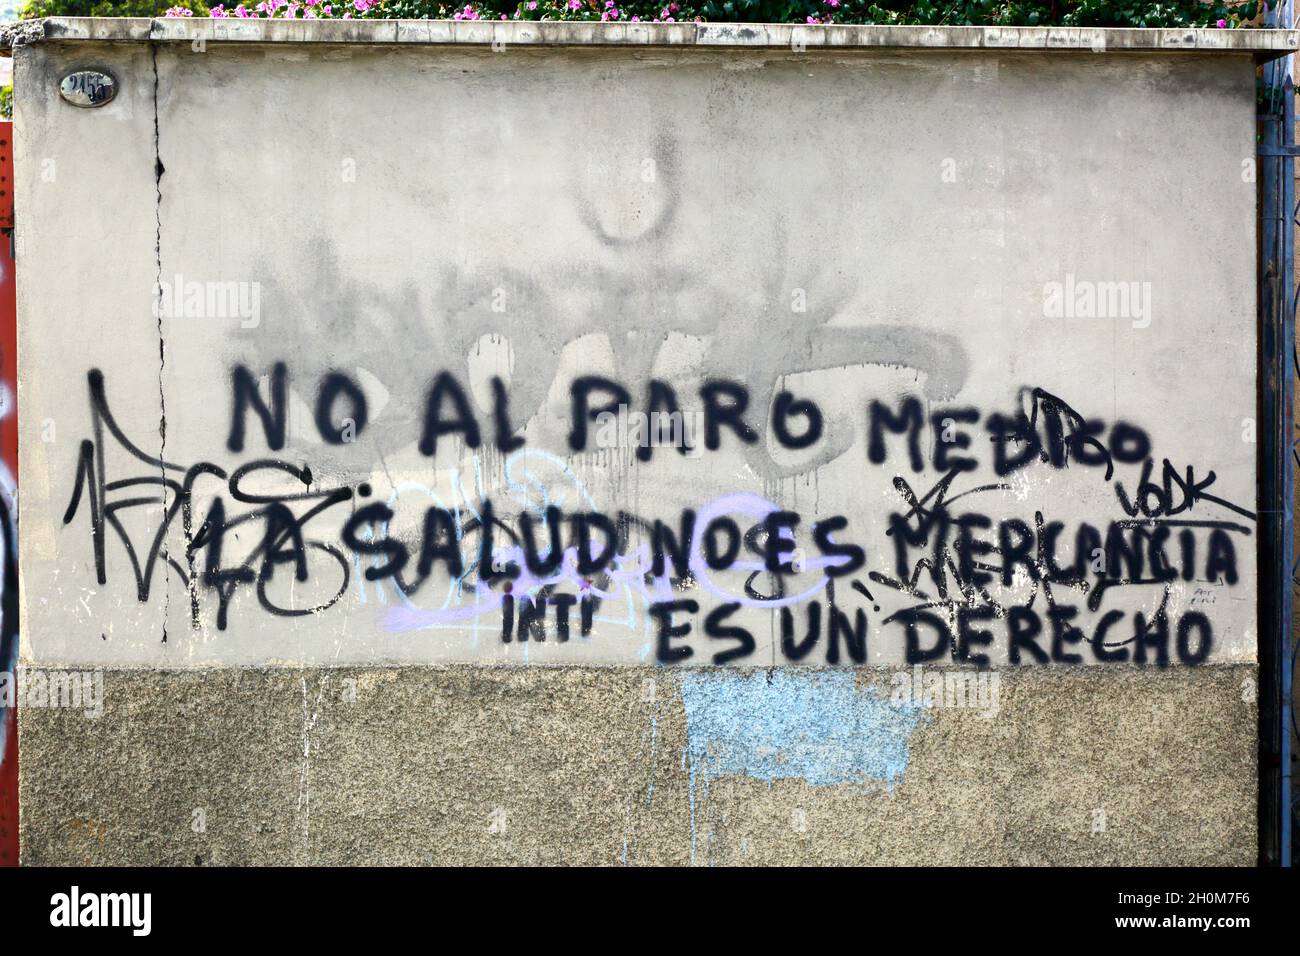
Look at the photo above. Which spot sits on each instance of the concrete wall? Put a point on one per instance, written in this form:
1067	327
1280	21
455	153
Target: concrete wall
293	314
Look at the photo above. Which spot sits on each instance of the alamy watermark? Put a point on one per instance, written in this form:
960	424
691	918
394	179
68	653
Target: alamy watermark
1085	299
27	687
130	910
626	428
948	688
195	299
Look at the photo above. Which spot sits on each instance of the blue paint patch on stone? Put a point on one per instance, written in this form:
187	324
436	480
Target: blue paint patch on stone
817	726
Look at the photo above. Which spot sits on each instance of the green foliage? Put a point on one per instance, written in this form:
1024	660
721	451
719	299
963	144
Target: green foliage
1075	13
1030	13
1071	13
106	8
7	102
408	10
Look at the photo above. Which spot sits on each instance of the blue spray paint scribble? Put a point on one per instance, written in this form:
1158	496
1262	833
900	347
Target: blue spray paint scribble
817	726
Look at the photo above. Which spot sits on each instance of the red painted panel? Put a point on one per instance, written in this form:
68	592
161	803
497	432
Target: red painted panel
8	505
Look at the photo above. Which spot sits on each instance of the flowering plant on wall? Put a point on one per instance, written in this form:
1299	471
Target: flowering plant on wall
1084	13
285	9
635	11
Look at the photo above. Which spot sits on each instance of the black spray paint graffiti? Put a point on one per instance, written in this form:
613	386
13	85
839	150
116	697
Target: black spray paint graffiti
549	573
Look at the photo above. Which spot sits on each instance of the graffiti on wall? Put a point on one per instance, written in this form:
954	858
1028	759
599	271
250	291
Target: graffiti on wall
517	550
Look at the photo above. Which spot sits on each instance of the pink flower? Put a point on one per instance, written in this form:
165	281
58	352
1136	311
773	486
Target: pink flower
1222	24
179	12
575	4
362	5
218	12
532	4
241	12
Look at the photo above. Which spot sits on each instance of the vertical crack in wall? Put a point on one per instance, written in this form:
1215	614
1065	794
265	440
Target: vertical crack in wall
302	849
158	171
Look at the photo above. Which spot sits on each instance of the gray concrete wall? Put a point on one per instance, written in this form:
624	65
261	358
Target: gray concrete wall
1017	249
